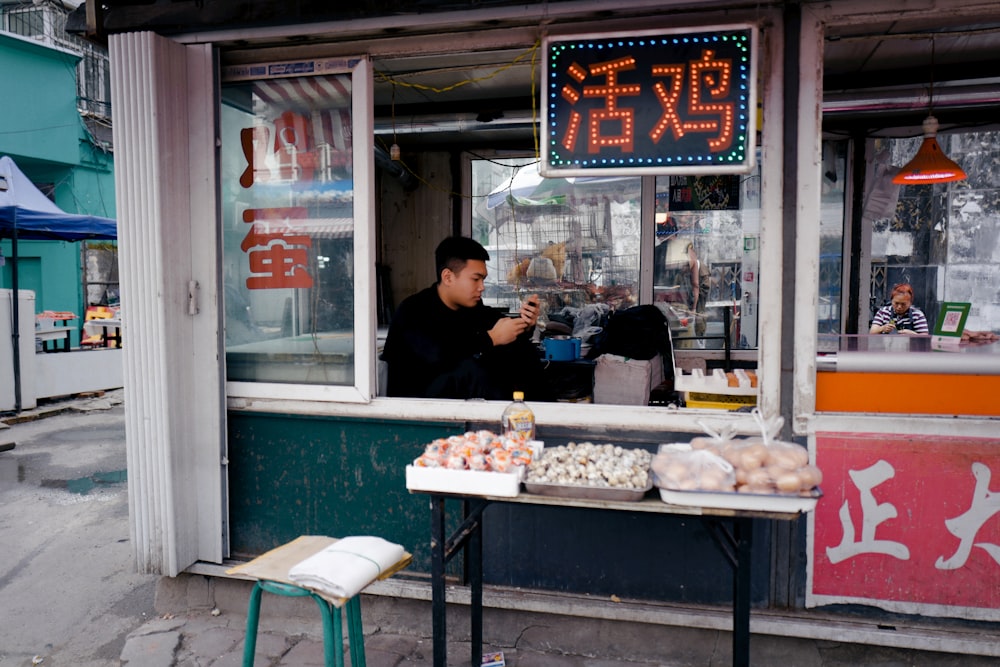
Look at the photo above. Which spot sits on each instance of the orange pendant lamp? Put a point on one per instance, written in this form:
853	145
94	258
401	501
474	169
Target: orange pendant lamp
930	164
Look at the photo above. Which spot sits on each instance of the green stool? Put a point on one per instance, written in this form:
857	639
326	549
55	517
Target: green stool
333	633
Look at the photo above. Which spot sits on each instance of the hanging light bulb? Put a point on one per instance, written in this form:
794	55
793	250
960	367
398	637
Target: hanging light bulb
930	164
394	149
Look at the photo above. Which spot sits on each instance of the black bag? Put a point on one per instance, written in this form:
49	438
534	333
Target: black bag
639	332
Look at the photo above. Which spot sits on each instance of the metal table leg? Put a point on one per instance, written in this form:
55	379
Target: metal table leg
469	534
474	563
736	546
438	611
741	592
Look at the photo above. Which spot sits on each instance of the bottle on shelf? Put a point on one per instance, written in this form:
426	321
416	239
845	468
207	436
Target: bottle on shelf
518	418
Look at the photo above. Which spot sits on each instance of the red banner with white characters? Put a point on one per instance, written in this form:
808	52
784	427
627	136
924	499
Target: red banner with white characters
908	523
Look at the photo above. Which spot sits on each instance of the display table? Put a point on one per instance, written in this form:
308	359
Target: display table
53	327
110	330
731	530
59	337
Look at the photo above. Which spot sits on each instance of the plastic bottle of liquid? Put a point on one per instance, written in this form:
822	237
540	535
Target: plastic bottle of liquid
518	418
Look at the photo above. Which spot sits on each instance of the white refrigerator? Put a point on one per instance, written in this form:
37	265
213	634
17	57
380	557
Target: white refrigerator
26	327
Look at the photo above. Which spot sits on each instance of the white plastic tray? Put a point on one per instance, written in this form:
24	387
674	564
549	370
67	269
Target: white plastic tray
765	502
465	482
716	383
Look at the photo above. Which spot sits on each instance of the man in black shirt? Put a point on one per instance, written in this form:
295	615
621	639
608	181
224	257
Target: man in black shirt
443	342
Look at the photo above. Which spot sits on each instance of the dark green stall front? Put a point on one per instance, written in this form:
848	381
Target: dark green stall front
296	475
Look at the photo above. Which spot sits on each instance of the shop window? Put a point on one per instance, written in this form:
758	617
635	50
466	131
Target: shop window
831	240
289	230
577	242
572	241
940	238
706	259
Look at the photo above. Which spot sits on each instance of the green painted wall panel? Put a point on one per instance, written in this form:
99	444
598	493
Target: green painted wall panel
291	476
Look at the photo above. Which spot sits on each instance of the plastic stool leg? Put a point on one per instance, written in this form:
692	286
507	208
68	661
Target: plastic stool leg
333	634
356	632
253	618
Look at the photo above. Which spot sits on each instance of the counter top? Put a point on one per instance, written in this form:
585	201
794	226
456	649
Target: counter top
906	354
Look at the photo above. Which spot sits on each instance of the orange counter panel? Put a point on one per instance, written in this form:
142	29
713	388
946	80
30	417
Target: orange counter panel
908	393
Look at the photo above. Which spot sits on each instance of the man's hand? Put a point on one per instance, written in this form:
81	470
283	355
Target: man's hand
507	329
530	310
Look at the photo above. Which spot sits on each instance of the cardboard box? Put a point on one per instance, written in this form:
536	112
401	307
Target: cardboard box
622	381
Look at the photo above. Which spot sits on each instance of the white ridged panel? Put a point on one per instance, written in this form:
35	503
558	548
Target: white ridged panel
165	407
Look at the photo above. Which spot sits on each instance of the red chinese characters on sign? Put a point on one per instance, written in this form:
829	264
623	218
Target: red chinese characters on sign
709	81
598	119
910	521
706	104
278	256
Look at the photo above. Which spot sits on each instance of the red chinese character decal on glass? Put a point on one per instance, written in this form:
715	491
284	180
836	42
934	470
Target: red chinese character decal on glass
293	150
254	141
611	125
709	79
278	256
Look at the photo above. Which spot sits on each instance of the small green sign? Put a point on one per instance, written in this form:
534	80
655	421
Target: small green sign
951	319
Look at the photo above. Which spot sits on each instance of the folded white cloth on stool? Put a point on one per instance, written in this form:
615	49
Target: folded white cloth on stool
346	567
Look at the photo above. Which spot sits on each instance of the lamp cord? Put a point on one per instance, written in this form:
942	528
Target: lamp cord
930	92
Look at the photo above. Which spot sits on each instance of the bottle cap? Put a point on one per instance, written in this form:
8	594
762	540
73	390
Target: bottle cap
518	395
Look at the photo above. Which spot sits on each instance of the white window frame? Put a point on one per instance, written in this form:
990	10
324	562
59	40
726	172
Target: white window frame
363	389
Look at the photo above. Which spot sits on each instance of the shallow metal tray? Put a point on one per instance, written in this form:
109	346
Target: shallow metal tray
588	492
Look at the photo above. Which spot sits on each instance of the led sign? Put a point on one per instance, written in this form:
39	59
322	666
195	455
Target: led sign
665	102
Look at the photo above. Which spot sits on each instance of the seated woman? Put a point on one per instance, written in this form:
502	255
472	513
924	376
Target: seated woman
900	315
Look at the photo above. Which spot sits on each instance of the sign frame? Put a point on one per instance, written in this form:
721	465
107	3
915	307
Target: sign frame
947	324
650	165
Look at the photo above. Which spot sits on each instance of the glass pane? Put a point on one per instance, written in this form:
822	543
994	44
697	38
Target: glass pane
832	215
706	258
940	238
288	230
573	241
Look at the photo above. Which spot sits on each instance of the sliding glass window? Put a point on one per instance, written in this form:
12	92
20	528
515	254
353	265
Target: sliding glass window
291	222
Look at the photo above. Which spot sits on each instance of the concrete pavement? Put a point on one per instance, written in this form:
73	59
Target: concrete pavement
201	623
69	594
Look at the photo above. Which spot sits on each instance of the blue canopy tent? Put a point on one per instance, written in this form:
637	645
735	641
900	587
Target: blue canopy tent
26	213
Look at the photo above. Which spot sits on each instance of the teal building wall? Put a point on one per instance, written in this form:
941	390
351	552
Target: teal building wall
42	131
